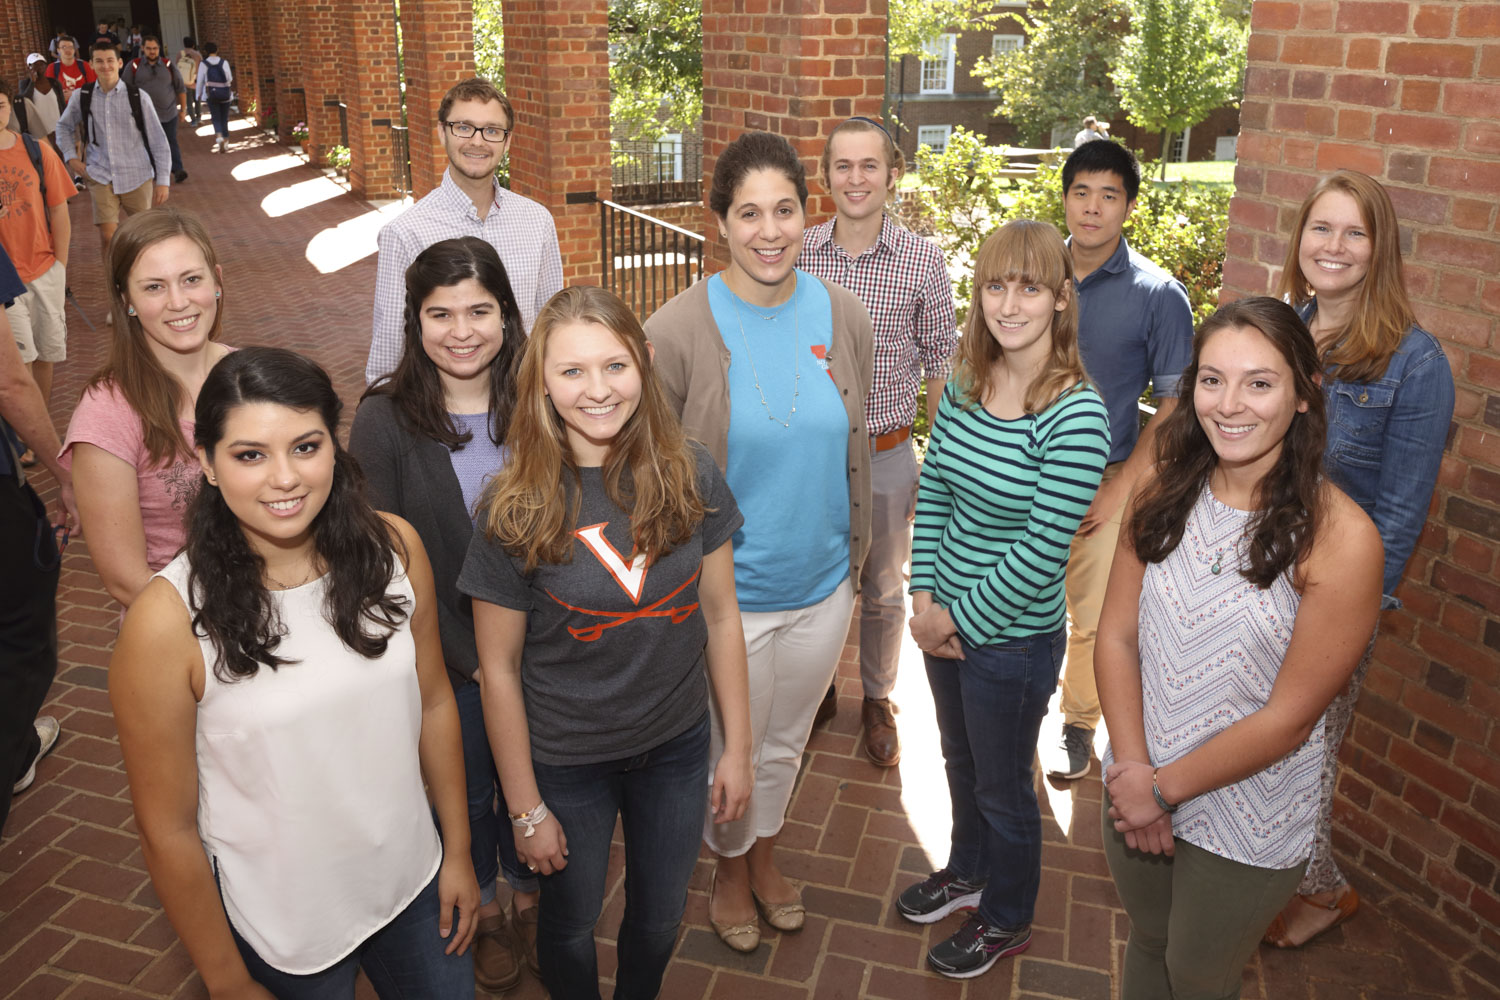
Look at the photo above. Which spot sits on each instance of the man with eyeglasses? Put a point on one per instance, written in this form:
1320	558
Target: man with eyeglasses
474	122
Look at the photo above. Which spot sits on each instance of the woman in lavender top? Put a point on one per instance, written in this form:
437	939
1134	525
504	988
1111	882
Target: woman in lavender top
428	437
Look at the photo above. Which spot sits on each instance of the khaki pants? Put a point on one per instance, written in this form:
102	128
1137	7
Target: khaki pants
107	204
1088	576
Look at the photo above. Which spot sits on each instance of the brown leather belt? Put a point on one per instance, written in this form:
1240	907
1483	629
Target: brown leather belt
885	442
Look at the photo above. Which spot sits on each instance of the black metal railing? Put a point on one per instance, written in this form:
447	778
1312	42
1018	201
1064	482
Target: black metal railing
646	261
657	172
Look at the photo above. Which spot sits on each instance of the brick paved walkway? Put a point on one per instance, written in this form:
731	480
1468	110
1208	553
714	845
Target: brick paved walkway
77	915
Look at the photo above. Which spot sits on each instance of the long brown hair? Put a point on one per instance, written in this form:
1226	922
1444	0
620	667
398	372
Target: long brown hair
1289	499
1383	313
532	504
1034	252
156	396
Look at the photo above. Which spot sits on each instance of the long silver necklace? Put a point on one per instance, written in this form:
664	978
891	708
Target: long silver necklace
796	355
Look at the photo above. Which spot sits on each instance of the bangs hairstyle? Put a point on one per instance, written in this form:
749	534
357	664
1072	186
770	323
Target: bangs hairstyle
1382	314
1289	500
156	396
531	506
476	89
1033	252
893	155
416	387
230	604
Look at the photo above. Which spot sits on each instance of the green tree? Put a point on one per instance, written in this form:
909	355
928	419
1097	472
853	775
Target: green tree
1179	61
911	24
1061	74
489	42
655	66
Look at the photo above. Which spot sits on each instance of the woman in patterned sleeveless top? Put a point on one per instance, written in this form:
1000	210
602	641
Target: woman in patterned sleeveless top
1244	592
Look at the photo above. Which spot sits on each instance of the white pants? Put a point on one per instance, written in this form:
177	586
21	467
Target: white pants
793	656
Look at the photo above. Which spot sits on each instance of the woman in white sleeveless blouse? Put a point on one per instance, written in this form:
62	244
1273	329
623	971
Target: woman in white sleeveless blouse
1244	591
281	701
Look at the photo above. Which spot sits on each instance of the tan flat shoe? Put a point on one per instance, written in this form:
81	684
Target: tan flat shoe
1278	936
741	937
782	916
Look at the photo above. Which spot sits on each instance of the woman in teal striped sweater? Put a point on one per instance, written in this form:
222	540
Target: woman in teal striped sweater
1015	458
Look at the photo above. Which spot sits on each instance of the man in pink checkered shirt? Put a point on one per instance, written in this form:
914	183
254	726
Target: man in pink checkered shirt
903	282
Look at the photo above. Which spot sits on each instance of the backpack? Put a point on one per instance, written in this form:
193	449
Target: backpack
187	68
133	93
34	152
216	78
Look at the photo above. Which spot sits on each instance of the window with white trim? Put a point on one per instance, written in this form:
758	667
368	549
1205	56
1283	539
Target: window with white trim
937	65
1000	44
935	137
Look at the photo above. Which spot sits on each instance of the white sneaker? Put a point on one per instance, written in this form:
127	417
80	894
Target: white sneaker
48	729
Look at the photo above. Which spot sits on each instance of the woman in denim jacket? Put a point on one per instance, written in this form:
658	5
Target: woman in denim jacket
1389	394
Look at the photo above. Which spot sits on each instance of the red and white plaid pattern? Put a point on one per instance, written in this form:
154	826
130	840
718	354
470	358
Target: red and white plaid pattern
904	283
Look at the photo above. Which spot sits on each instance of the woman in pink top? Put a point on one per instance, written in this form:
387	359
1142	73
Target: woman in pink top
128	441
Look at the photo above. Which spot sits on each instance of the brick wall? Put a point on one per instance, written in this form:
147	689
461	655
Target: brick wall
1409	92
435	59
322	73
793	67
371	91
286	66
21	33
557	79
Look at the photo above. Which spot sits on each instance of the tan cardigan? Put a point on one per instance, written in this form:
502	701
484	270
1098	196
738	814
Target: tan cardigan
693	365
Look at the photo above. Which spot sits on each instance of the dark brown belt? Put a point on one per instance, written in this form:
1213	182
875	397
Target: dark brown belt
887	441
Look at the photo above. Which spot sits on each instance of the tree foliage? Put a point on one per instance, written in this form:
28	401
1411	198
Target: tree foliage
911	24
1179	61
1061	74
489	42
656	66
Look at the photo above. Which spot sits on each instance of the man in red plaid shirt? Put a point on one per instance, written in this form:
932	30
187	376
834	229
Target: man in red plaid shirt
903	282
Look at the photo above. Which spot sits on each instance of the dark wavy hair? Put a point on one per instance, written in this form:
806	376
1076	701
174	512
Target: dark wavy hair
230	604
415	387
1289	499
751	152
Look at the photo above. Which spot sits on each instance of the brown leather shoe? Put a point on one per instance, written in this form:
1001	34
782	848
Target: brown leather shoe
828	707
496	967
523	923
882	745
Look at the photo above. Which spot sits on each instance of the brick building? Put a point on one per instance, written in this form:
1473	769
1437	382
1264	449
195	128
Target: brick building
933	96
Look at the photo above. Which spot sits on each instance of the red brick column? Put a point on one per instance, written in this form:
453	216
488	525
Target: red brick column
557	78
286	46
793	67
372	94
1409	92
433	34
323	73
246	59
213	26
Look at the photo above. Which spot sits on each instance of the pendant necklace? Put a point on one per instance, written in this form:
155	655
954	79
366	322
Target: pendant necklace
796	355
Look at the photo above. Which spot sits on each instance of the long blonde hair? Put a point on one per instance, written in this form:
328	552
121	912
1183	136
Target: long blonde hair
1034	252
1383	313
156	396
649	470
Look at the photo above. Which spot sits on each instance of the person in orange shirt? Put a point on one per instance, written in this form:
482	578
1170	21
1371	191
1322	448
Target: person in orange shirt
35	230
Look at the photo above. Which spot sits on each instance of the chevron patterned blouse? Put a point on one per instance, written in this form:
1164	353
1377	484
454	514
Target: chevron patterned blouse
1211	643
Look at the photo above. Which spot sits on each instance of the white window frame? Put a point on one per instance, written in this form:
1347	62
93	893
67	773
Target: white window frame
1006	43
1176	153
927	133
674	140
938	59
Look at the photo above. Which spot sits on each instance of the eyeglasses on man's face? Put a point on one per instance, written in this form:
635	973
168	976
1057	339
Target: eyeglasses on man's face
465	130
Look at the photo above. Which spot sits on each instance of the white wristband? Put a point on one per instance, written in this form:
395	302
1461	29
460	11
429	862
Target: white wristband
530	819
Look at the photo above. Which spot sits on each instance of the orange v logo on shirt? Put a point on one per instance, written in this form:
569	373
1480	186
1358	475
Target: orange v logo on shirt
631	577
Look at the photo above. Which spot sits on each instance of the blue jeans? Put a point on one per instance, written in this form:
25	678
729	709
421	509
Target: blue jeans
492	842
661	797
990	707
170	128
404	959
218	111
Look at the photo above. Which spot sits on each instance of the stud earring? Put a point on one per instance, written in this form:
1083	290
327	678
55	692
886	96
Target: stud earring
218	295
130	310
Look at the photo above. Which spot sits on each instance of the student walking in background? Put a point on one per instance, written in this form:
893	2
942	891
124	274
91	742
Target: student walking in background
216	89
428	438
770	368
128	440
283	715
1243	594
1014	460
603	582
903	282
1389	394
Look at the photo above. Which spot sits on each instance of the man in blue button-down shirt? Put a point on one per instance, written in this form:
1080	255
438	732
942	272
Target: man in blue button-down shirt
115	162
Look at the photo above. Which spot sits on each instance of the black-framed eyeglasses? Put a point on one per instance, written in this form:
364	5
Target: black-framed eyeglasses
464	130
